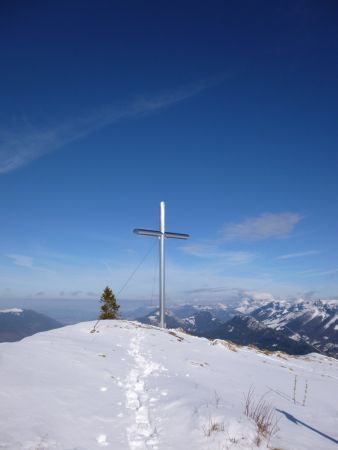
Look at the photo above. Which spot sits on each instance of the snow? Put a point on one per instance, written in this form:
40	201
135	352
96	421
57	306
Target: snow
332	321
13	310
190	320
248	305
222	306
280	313
132	386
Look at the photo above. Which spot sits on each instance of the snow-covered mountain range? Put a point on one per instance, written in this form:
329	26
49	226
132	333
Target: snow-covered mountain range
316	322
296	327
129	386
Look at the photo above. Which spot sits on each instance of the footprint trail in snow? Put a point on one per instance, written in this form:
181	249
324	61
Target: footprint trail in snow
142	434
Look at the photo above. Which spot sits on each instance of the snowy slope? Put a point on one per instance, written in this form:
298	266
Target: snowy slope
132	386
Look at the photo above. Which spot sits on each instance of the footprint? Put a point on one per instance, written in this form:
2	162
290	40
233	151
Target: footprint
102	440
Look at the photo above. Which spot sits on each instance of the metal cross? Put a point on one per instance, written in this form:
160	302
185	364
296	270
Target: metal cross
161	234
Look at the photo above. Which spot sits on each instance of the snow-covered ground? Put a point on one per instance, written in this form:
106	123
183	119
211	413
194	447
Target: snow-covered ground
131	386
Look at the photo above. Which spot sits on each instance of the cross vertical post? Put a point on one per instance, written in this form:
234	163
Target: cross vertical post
162	265
161	235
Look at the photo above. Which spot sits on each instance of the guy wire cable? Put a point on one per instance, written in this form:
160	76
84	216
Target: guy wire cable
129	279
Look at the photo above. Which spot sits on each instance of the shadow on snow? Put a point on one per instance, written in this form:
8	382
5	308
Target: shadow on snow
297	421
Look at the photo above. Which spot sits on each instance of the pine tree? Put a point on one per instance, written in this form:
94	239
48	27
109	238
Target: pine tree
109	307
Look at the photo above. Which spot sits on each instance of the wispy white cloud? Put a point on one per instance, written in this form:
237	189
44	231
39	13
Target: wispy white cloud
200	250
18	149
26	262
233	295
318	272
212	251
212	280
240	257
21	260
261	227
259	295
299	254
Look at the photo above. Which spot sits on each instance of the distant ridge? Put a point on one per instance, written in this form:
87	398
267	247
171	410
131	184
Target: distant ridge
295	327
16	324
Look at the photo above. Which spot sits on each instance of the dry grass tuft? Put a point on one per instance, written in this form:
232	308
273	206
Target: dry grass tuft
282	355
263	351
263	414
179	338
213	427
228	344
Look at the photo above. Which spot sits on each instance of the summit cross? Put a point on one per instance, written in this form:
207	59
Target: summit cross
161	235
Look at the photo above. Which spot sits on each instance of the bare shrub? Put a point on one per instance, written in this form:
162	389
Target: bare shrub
263	414
232	440
213	427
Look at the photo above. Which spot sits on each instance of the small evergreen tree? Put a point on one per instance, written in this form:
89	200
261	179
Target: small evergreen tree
109	307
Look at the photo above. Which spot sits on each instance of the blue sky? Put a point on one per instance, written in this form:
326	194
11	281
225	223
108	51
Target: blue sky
228	111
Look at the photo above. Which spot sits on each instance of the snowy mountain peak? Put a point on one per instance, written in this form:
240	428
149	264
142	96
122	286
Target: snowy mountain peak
11	311
313	322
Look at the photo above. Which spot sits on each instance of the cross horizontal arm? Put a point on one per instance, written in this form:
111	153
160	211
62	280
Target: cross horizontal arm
176	235
155	233
147	232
